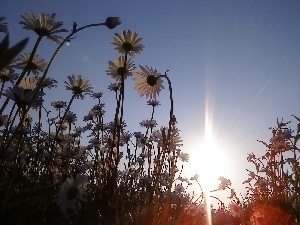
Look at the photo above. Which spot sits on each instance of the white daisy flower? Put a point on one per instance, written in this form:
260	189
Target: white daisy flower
128	42
116	69
45	26
72	193
78	86
35	66
148	82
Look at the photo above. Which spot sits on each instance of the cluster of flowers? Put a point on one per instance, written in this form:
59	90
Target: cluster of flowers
47	176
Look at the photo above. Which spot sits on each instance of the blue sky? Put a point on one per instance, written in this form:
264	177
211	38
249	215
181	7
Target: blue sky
239	58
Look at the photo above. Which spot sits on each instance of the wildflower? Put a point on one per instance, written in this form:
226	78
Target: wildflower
7	75
148	123
148	82
224	183
195	177
72	193
27	83
161	136
250	157
97	95
37	64
184	157
153	103
3	25
47	83
119	69
45	26
128	43
23	97
78	86
59	104
112	22
114	87
70	117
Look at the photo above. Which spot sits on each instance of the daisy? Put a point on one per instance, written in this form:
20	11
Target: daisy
128	42
148	123
47	83
59	104
23	97
97	95
27	83
112	22
7	74
148	82
45	26
3	25
184	157
72	193
118	69
35	66
153	103
114	87
78	86
160	136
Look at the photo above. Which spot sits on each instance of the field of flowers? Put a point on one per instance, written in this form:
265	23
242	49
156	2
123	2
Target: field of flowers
47	176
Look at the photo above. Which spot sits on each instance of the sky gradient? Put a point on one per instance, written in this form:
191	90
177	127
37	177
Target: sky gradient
239	61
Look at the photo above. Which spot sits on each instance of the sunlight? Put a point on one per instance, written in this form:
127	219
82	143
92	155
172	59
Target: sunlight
208	160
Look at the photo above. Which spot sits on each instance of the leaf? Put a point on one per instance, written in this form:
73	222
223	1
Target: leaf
6	54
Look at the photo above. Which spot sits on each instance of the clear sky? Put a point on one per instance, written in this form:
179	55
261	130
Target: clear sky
237	60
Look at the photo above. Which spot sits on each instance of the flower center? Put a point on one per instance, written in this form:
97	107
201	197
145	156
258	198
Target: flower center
151	80
41	31
127	46
72	192
76	90
32	66
121	71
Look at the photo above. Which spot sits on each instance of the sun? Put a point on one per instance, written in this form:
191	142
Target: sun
208	158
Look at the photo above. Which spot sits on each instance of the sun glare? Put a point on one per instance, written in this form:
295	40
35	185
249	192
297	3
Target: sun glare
208	160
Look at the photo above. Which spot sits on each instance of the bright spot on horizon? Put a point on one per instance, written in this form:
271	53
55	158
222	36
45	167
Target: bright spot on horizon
209	161
208	158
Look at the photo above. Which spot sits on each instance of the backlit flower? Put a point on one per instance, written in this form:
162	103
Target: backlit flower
7	74
27	83
23	97
47	83
45	26
153	103
117	70
114	87
35	66
78	86
184	157
72	193
59	104
3	25
148	82
225	183
128	42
